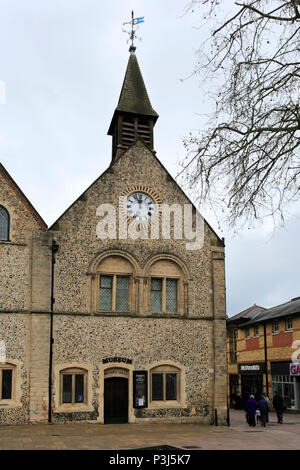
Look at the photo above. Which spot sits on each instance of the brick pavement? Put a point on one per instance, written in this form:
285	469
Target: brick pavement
131	436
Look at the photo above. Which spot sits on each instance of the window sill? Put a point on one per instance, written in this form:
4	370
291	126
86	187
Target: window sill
275	332
289	331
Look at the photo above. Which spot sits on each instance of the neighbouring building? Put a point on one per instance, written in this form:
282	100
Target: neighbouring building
263	353
127	328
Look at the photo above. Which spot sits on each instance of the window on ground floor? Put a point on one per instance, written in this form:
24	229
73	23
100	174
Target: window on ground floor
165	383
6	382
74	386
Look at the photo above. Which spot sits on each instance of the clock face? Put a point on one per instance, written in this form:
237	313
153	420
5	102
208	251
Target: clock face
140	207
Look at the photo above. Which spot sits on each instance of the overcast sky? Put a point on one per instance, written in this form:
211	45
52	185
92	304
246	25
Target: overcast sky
63	64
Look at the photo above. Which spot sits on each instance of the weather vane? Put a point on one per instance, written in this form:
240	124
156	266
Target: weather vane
132	33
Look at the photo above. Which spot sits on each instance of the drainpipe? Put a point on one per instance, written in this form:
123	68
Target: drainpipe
54	249
266	359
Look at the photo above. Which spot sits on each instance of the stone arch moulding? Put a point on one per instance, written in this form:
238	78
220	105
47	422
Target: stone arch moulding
169	257
92	268
128	368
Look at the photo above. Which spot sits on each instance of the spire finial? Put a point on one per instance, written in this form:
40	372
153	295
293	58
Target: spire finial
132	33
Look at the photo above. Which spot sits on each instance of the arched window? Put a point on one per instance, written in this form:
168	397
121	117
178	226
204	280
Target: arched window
116	284
166	293
4	224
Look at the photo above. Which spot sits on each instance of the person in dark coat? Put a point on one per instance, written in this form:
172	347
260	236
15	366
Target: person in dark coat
250	408
278	404
263	407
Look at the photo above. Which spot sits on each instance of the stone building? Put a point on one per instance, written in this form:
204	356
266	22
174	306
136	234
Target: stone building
130	327
263	350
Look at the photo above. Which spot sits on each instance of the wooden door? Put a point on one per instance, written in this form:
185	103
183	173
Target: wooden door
115	400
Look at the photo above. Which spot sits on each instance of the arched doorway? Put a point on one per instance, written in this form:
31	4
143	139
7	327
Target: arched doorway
115	399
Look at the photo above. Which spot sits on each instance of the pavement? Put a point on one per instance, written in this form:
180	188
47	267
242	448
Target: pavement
84	436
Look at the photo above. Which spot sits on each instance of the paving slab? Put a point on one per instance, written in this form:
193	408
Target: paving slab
76	436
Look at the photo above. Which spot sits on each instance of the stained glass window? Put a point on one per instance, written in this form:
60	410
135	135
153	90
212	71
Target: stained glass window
4	224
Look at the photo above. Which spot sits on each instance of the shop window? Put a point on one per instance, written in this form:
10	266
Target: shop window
165	383
275	326
74	386
288	324
4	224
6	382
284	385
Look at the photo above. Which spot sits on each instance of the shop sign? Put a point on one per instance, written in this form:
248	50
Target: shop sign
294	368
140	389
244	368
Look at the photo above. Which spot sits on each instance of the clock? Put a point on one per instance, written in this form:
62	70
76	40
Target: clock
140	206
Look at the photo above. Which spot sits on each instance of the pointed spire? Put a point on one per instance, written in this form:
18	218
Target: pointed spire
134	115
134	97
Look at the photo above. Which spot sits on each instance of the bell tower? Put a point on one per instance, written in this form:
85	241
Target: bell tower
134	115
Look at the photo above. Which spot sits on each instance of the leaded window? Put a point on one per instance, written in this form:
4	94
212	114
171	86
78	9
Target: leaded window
164	295
106	284
114	293
122	292
4	224
171	295
156	295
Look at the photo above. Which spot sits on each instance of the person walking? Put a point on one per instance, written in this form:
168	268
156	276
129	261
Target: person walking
250	408
278	406
263	408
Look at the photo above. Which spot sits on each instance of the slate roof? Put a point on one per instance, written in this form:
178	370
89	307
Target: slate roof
134	98
21	196
260	314
249	313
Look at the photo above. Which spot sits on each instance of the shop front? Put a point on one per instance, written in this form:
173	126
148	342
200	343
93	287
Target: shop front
286	381
252	382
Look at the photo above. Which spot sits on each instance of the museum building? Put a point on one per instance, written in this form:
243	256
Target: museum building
117	328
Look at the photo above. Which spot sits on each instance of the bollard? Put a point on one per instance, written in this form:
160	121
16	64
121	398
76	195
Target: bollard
216	417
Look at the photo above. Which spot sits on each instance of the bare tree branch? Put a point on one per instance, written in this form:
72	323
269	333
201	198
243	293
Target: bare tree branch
246	162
